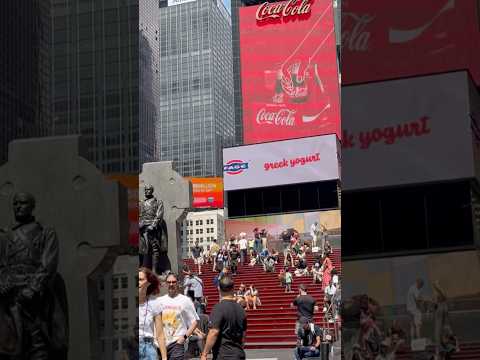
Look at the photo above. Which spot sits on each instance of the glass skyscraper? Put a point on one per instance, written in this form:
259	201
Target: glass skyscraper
149	85
96	79
25	70
196	86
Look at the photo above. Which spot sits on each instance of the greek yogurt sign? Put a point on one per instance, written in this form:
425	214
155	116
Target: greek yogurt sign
295	161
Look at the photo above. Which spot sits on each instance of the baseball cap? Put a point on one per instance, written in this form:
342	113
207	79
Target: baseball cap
302	287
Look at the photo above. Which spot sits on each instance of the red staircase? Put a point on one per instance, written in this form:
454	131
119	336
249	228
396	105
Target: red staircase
272	325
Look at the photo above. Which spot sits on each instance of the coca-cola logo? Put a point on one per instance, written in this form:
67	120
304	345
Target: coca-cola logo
283	9
282	117
355	34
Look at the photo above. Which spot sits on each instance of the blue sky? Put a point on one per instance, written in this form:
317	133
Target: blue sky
227	5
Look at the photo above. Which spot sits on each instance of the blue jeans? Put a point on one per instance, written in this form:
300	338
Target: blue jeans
147	350
304	352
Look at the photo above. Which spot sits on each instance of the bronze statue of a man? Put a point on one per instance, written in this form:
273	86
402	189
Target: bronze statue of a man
153	238
33	303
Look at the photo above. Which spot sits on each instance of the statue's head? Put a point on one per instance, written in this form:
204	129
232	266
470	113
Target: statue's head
149	191
23	205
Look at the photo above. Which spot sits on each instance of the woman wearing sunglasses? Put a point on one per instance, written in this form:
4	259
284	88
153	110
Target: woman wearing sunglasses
150	317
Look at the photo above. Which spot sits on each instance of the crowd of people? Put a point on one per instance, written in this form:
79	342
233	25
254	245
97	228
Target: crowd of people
377	340
176	324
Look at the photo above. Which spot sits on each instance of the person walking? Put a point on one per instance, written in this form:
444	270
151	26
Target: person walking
179	319
214	250
414	299
228	321
197	257
288	280
305	305
243	244
150	317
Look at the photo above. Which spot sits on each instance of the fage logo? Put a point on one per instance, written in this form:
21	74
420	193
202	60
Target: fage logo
234	167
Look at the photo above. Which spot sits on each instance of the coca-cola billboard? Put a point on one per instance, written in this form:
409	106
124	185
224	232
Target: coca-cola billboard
289	70
384	40
294	161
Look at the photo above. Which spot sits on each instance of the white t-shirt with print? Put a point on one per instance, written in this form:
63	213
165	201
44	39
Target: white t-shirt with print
178	314
243	244
146	316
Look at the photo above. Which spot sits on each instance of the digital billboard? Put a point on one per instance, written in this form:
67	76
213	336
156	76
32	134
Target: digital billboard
276	224
407	131
392	39
281	162
207	192
131	183
388	283
289	70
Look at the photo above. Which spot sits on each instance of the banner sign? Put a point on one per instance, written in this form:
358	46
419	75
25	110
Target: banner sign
407	131
393	39
207	192
281	162
290	85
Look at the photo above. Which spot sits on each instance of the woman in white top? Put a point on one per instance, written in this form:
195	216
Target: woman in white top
251	296
149	317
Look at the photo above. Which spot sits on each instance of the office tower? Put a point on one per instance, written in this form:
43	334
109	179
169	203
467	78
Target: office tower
96	78
149	86
196	86
25	64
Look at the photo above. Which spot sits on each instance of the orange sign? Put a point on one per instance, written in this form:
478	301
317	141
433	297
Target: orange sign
207	192
131	183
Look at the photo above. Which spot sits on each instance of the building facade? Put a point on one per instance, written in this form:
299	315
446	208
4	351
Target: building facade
196	86
149	85
202	227
25	63
95	79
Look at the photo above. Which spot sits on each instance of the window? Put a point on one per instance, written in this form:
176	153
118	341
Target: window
115	281
124	303
124	282
115	303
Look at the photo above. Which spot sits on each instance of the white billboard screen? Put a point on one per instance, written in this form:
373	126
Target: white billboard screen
406	131
281	162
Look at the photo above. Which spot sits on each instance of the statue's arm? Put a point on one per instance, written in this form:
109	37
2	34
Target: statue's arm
159	214
49	262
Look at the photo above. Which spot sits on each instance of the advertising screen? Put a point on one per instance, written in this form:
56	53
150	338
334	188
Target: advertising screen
388	284
207	192
131	183
391	39
407	131
289	70
276	224
281	162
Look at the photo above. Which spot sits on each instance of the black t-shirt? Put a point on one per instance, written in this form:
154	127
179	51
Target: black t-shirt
234	255
305	306
196	251
308	337
230	318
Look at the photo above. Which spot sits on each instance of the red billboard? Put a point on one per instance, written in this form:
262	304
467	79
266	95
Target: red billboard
384	40
289	70
207	192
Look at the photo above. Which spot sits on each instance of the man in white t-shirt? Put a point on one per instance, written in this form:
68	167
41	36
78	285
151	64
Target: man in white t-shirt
413	299
314	233
243	243
179	319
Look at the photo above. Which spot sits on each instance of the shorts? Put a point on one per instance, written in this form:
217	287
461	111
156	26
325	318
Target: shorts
198	261
416	317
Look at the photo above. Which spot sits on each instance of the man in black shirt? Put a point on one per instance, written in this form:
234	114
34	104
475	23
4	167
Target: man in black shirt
228	325
305	305
234	256
309	339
